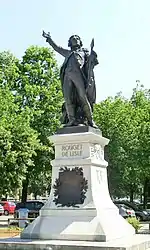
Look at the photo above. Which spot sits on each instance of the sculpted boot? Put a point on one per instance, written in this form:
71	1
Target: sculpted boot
71	116
89	116
92	123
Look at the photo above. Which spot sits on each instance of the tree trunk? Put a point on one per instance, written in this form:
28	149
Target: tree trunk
20	194
145	193
35	195
141	198
25	184
131	193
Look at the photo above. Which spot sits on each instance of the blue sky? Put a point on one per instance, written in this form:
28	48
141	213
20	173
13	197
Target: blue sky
121	29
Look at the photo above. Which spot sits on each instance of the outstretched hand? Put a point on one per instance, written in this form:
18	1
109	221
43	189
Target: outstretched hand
46	35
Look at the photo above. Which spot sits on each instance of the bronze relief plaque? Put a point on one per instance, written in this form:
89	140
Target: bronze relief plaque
70	187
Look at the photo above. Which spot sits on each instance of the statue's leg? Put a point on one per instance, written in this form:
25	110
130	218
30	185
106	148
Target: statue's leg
67	92
64	118
79	84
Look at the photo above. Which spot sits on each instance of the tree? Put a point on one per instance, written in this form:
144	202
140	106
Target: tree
17	140
115	118
18	143
9	70
39	90
126	123
141	102
41	184
33	83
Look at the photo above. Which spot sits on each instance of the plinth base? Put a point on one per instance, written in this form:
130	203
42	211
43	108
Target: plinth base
81	225
79	206
135	242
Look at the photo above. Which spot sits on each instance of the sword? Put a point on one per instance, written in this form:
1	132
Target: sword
90	62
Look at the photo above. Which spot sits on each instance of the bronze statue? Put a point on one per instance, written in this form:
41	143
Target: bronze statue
78	83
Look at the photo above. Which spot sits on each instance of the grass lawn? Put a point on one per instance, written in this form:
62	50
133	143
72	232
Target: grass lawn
7	232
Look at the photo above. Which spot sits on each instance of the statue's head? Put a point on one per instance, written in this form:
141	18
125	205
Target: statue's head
75	42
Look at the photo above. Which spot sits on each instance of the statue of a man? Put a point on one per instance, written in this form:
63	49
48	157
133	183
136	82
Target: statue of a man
78	84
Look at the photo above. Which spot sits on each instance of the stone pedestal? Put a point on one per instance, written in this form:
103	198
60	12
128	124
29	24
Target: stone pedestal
79	206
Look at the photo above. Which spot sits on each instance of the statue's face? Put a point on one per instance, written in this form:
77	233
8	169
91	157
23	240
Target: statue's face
75	41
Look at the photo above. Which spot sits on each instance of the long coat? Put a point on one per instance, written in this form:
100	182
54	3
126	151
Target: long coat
88	76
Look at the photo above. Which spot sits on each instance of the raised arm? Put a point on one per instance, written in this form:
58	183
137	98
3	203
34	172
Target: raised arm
60	50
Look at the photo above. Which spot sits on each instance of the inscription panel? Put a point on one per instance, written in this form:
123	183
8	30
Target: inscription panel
71	150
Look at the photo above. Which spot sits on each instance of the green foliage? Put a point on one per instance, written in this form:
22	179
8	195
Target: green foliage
9	70
40	184
126	124
40	91
30	105
134	222
18	143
